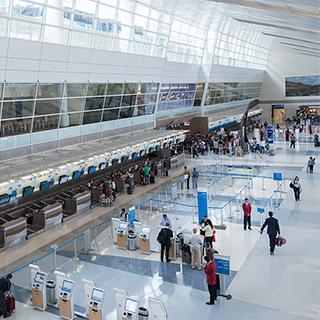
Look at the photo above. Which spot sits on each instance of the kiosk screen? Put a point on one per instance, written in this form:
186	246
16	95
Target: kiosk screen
39	277
131	306
97	295
142	153
91	169
145	230
67	286
134	155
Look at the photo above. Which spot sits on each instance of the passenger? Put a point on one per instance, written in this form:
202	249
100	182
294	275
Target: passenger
246	207
287	134
209	232
210	271
5	286
195	176
164	238
124	214
272	231
296	186
146	171
196	243
311	163
165	220
293	140
186	177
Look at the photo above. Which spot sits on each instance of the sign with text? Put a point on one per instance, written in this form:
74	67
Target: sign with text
132	215
202	203
222	264
260	210
270	134
277	176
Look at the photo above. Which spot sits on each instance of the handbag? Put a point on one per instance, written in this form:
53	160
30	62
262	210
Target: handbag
280	241
291	185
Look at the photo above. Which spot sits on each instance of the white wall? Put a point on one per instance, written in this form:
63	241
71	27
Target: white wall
284	62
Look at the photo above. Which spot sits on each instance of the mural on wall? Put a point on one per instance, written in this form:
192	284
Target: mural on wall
303	86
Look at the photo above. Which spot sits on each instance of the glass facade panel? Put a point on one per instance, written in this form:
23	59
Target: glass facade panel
50	90
15	91
17	109
47	106
92	117
75	90
71	105
96	89
45	123
94	103
131	88
126	113
70	119
113	102
114	88
129	100
110	114
15	127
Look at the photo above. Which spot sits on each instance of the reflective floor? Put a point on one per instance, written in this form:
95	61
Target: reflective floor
285	286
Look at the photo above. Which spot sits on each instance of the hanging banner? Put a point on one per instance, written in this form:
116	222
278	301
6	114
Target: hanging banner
132	215
202	203
270	134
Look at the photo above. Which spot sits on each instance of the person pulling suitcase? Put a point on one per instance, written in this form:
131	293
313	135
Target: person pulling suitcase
5	286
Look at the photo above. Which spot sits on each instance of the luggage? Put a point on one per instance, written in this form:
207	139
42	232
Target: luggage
152	179
280	241
217	282
10	303
130	190
186	257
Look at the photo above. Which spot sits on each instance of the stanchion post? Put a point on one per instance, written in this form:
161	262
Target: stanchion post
75	248
150	206
221	217
176	212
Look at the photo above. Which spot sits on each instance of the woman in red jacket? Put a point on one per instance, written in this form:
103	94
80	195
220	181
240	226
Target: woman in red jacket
210	271
246	207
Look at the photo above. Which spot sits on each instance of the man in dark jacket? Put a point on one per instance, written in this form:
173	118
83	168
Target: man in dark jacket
5	285
272	231
166	236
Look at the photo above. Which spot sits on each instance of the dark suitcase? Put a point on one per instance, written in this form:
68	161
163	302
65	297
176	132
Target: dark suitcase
10	303
152	179
186	257
130	190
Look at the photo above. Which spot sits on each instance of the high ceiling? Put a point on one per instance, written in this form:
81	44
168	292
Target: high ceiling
295	23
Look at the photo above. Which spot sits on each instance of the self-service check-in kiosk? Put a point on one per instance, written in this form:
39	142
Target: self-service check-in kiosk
39	293
145	240
131	308
122	235
66	303
96	304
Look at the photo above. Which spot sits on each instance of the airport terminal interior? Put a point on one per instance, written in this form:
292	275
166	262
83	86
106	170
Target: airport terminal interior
159	159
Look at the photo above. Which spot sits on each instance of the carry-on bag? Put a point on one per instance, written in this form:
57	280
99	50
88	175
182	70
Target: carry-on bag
10	303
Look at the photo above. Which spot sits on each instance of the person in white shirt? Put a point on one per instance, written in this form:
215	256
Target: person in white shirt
196	243
165	220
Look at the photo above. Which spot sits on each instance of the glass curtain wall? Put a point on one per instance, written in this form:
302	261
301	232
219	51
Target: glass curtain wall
33	107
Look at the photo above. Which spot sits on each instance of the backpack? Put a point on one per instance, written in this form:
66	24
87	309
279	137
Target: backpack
161	237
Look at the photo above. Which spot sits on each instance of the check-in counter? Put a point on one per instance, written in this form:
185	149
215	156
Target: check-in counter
120	184
49	215
76	201
12	230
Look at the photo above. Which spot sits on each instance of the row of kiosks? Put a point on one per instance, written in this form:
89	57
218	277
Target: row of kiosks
121	230
66	297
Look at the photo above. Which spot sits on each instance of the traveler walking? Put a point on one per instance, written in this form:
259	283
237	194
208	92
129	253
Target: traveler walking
210	271
272	230
293	140
164	238
296	186
209	232
165	220
5	286
196	243
195	176
186	176
310	164
246	207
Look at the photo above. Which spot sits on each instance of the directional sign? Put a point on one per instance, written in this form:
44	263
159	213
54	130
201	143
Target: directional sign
260	210
202	203
277	176
222	264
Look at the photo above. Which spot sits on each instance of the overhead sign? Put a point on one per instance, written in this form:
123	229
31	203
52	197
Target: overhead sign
222	265
202	203
277	176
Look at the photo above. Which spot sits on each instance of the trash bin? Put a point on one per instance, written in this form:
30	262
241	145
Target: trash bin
132	239
143	314
51	292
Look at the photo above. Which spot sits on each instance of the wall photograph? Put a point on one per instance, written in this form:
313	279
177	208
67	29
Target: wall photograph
303	86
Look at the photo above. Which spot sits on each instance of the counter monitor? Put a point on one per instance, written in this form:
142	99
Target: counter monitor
5	198
67	286
131	306
142	153
63	179
91	169
27	191
134	155
44	185
76	175
39	277
102	165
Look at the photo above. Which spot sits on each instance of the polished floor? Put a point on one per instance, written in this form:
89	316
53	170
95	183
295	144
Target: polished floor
285	286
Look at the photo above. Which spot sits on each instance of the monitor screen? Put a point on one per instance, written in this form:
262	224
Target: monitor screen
27	191
67	286
4	198
102	165
134	155
124	158
151	150
131	306
44	185
158	147
145	230
115	161
97	295
63	179
142	153
91	169
40	277
76	175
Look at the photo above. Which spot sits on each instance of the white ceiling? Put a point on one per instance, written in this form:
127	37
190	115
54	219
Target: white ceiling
292	22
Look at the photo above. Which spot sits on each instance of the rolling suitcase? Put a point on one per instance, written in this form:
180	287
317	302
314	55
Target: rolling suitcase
186	254
152	179
10	303
130	190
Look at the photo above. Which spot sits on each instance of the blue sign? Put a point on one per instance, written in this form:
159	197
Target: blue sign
132	215
277	176
202	204
270	134
222	265
260	210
